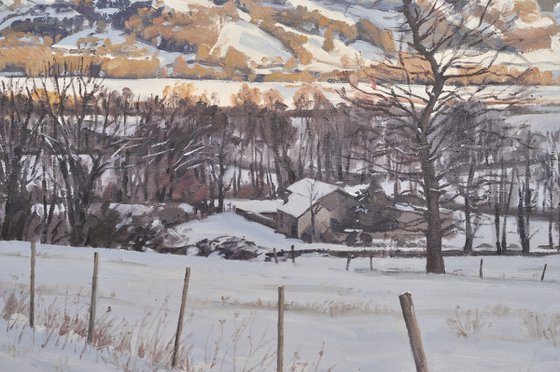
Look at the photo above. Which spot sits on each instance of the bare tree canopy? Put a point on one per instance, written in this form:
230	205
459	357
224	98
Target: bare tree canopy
443	48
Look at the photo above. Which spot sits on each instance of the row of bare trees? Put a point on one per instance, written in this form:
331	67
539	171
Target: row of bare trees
67	143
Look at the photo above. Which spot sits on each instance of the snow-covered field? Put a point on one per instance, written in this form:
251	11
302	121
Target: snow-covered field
546	97
507	321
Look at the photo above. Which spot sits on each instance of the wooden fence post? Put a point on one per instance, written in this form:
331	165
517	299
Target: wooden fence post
413	332
371	263
543	272
480	273
275	254
348	259
280	349
181	316
32	287
293	252
92	304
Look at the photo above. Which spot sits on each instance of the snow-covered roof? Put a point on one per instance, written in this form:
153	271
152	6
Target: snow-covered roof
304	194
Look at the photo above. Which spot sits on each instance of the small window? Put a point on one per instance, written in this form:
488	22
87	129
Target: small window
336	225
294	230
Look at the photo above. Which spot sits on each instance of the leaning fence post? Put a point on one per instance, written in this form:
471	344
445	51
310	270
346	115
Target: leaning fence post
480	273
543	272
32	287
93	301
181	316
280	349
413	332
275	255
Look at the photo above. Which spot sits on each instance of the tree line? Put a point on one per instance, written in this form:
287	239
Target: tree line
68	143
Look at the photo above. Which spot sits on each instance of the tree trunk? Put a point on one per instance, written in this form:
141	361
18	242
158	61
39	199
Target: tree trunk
522	228
550	238
77	231
319	166
499	245
279	178
327	149
125	178
15	205
469	234
144	181
506	212
434	263
550	212
220	194
339	163
221	187
558	224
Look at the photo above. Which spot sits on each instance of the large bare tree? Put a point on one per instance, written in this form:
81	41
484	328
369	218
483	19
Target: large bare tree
447	56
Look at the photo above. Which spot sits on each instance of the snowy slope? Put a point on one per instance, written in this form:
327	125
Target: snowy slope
249	39
184	5
242	32
353	316
116	37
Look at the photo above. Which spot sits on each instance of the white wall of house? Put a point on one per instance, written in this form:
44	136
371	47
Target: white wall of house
322	221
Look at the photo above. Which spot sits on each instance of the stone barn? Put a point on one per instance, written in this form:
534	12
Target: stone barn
314	208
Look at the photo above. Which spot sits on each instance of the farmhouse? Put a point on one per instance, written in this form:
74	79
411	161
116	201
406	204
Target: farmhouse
313	208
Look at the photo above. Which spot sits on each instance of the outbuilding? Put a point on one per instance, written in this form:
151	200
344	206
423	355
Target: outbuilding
312	208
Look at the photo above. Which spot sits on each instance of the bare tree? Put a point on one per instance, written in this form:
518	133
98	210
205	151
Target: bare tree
81	145
313	195
169	140
443	49
483	136
221	146
277	131
20	154
526	204
500	198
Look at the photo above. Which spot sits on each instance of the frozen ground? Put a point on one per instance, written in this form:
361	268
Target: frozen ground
509	320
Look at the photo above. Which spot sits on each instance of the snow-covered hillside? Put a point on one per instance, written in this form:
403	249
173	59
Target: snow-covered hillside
278	39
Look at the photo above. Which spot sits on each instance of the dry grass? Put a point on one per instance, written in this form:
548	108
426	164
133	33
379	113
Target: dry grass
15	302
543	327
15	308
68	324
296	364
146	344
330	307
222	348
500	310
466	323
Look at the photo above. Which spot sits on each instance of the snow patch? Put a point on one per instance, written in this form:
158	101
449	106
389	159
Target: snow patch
249	39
